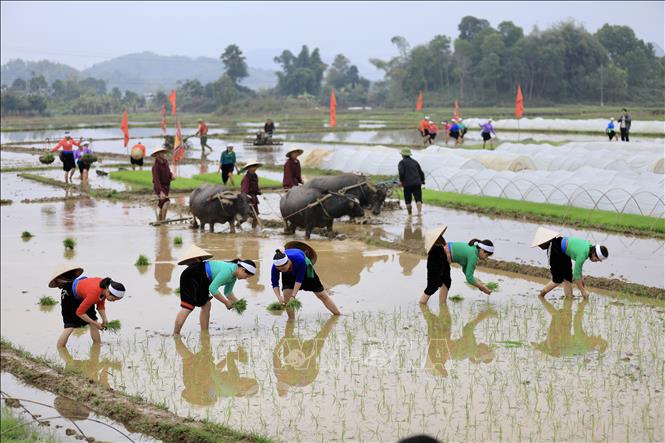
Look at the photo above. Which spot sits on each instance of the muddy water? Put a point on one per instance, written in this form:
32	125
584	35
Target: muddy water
638	260
93	133
515	368
70	413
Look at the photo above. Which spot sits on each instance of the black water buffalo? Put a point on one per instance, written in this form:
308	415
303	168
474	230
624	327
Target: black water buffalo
297	212
370	196
208	208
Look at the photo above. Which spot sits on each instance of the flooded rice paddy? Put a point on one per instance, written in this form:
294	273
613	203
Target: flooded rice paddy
511	367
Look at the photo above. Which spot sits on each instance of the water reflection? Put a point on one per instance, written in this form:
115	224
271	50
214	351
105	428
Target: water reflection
206	381
355	262
296	362
163	262
249	250
441	347
413	234
560	342
93	368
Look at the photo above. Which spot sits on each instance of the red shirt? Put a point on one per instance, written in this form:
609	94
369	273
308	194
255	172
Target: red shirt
203	129
433	129
291	173
88	289
423	125
66	145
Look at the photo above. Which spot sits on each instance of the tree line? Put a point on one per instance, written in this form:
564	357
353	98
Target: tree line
482	67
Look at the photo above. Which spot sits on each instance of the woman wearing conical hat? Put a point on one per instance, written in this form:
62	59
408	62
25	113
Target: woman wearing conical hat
79	295
561	252
202	280
466	255
292	172
250	186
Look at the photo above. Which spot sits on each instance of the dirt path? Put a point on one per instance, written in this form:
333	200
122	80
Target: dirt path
136	414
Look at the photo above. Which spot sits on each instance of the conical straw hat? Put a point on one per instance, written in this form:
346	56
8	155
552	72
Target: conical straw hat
310	253
158	150
432	235
543	235
250	164
298	150
194	252
63	269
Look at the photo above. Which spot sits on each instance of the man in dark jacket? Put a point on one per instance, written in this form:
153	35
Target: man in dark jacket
624	125
412	178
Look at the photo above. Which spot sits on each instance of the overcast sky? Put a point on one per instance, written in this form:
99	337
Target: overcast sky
84	33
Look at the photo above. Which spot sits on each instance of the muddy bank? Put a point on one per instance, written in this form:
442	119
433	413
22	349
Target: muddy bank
135	414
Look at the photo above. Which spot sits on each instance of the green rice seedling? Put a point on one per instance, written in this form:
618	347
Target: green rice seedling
47	159
493	286
294	303
456	298
177	291
142	261
25	235
69	243
177	241
240	305
113	326
275	306
47	301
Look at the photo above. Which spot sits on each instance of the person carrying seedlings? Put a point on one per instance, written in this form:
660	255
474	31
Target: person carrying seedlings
423	128
433	131
412	178
83	164
227	164
136	156
292	172
202	280
78	297
438	266
250	186
487	133
624	125
202	133
297	272
161	181
561	251
67	155
454	132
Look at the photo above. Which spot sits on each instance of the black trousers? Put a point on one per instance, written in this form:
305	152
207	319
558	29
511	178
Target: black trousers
624	135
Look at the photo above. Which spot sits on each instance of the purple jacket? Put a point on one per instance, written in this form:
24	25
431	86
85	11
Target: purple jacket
487	127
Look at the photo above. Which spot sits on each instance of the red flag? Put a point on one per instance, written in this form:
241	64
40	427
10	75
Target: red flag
456	114
164	119
124	125
519	103
172	100
179	151
419	103
333	109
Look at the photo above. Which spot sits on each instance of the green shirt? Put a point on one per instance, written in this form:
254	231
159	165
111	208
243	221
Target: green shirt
467	257
228	158
223	274
577	249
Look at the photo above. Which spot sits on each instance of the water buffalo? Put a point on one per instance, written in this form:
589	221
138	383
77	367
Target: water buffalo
296	213
209	209
370	196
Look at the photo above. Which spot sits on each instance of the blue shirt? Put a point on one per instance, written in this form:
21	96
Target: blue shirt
300	267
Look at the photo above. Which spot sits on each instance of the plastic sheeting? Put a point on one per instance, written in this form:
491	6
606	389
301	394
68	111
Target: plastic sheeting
591	125
577	174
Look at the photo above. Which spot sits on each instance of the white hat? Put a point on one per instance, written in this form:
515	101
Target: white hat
63	269
158	150
230	145
432	235
194	252
250	164
85	143
543	235
300	151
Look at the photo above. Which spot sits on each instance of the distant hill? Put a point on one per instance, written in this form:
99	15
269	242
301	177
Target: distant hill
141	72
51	71
146	71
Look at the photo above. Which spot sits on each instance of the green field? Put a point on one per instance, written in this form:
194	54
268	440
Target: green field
143	180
